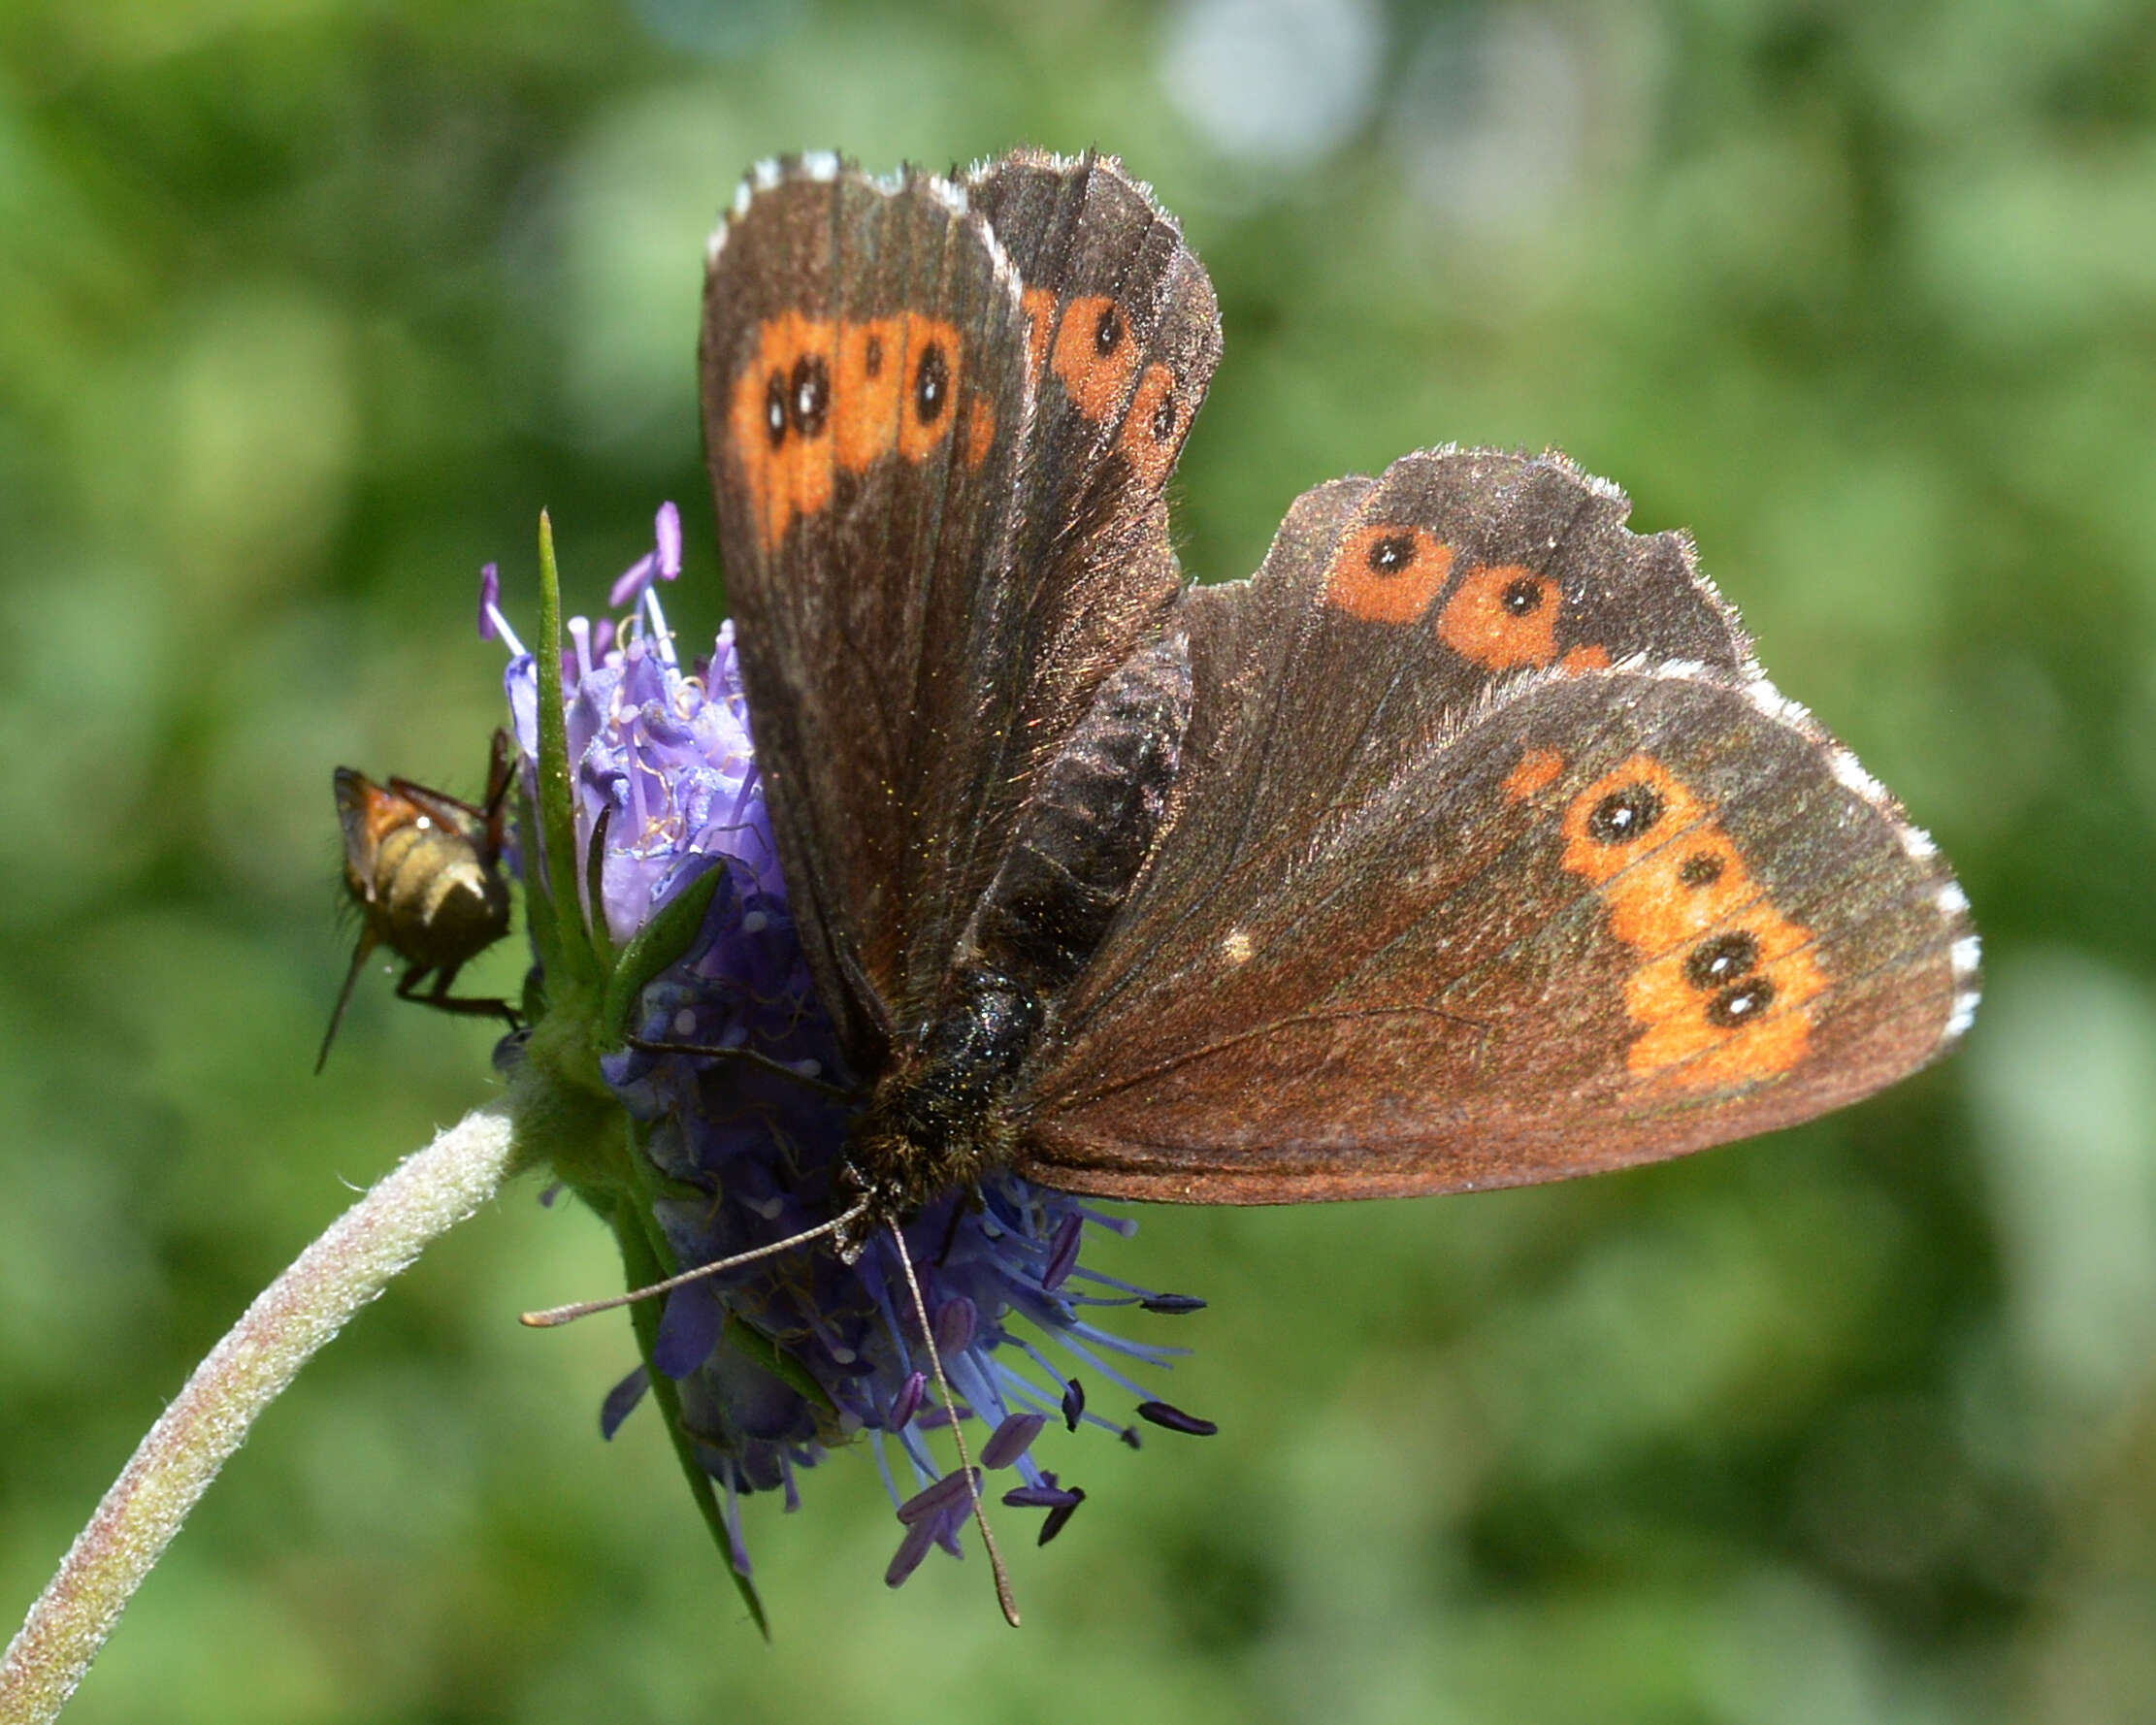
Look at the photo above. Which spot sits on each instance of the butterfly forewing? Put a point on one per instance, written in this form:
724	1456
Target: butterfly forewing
930	600
1123	332
863	370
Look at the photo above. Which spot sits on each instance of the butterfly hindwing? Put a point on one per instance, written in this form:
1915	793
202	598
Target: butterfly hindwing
1388	946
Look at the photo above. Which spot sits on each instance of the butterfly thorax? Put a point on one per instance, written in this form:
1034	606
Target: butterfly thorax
935	1121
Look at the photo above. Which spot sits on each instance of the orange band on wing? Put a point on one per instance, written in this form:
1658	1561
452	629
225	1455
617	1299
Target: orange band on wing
980	430
1722	994
1502	617
1537	771
1040	306
1096	351
1387	575
818	398
1153	429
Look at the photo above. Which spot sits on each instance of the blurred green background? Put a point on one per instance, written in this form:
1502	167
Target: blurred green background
306	307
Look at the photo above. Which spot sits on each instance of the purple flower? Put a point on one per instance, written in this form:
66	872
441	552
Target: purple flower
740	1104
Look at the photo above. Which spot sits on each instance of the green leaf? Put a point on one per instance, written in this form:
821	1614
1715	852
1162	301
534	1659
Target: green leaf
779	1362
643	1265
670	933
594	892
557	807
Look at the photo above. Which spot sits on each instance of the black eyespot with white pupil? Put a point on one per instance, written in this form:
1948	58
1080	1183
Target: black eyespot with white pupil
1716	963
931	383
1107	334
774	409
1741	1003
810	395
1393	554
1624	815
1523	597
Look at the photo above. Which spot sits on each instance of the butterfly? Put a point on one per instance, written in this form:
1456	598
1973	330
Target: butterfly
1463	845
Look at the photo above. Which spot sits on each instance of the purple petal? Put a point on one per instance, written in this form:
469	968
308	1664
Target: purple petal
1175	1420
906	1403
1011	1440
920	1537
1060	1516
688	1330
670	541
954	1326
953	1488
621	1401
1063	1256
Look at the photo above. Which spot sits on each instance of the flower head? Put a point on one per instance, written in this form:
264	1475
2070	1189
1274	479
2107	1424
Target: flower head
737	1104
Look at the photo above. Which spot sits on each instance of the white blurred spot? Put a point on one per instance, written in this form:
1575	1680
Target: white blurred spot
1280	84
1493	120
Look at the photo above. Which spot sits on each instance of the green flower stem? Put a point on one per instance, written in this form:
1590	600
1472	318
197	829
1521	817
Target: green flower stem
428	1194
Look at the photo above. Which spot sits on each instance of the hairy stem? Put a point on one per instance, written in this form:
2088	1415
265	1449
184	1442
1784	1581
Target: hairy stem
425	1196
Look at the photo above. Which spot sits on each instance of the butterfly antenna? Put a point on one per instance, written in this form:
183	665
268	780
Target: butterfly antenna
1003	1594
560	1314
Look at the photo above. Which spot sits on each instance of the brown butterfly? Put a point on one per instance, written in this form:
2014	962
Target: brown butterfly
425	871
1464	845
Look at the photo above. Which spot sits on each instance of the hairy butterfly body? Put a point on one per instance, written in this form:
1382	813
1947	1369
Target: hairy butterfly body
1464	845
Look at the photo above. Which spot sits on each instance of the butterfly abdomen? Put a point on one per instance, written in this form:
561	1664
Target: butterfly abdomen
1088	823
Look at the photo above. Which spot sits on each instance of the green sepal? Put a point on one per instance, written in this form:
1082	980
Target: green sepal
670	933
557	796
643	1266
538	904
595	894
779	1362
